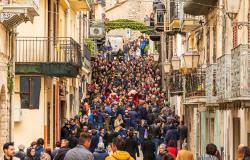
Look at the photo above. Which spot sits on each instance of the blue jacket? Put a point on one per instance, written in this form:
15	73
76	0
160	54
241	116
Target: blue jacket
100	117
100	154
39	150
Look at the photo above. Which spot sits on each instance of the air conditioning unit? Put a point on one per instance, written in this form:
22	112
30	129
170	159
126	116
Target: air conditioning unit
96	32
17	115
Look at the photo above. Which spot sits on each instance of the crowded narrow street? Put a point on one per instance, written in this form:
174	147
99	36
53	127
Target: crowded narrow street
124	80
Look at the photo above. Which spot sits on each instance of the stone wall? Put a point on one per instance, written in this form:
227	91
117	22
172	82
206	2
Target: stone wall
4	112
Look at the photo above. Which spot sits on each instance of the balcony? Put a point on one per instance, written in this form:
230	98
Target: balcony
195	83
240	73
80	5
199	7
223	78
211	84
176	83
16	12
60	56
159	20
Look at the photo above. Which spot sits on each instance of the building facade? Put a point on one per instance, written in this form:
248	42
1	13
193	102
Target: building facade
51	70
206	47
12	14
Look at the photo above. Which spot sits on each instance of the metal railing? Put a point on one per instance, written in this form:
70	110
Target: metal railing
48	50
159	17
176	83
195	83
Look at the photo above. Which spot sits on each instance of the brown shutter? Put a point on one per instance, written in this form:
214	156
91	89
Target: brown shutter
235	35
248	28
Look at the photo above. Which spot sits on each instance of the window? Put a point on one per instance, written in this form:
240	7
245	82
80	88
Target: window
30	87
208	47
214	43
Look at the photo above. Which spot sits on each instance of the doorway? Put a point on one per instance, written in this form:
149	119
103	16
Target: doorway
236	135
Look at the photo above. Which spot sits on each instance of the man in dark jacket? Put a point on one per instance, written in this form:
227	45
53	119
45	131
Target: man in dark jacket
20	154
65	131
94	141
182	129
148	149
63	150
172	134
132	145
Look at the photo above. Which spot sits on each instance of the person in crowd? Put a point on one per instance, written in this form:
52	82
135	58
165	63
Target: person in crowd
118	123
148	148
63	150
172	148
163	153
9	152
58	145
118	148
94	141
45	156
185	154
20	154
211	153
100	152
65	131
30	154
246	153
182	130
73	140
240	154
81	152
39	148
132	144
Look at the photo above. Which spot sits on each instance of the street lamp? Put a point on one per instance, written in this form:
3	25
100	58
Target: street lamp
176	62
191	60
156	57
232	8
166	67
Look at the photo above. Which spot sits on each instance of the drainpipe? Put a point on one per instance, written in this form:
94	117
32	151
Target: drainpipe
11	71
197	133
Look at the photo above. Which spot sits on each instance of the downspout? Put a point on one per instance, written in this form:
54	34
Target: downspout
10	78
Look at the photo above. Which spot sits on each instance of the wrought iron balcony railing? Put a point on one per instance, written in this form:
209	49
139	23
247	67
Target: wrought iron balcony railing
159	18
240	72
223	78
48	50
195	83
176	83
211	84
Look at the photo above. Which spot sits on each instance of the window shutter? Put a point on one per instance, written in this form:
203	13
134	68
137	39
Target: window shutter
248	28
235	35
35	90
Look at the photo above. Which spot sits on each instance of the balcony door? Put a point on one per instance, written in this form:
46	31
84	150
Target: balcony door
236	135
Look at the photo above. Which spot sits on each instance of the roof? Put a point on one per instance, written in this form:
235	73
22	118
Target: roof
116	5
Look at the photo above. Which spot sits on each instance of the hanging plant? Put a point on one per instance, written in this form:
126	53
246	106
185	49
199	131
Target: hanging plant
126	23
90	45
10	82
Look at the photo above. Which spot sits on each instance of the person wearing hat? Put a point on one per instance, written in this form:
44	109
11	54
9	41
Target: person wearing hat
65	131
21	154
100	152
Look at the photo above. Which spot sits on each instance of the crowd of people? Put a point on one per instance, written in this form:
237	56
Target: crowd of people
124	114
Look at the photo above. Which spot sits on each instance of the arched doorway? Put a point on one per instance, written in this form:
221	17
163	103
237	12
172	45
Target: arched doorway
3	116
